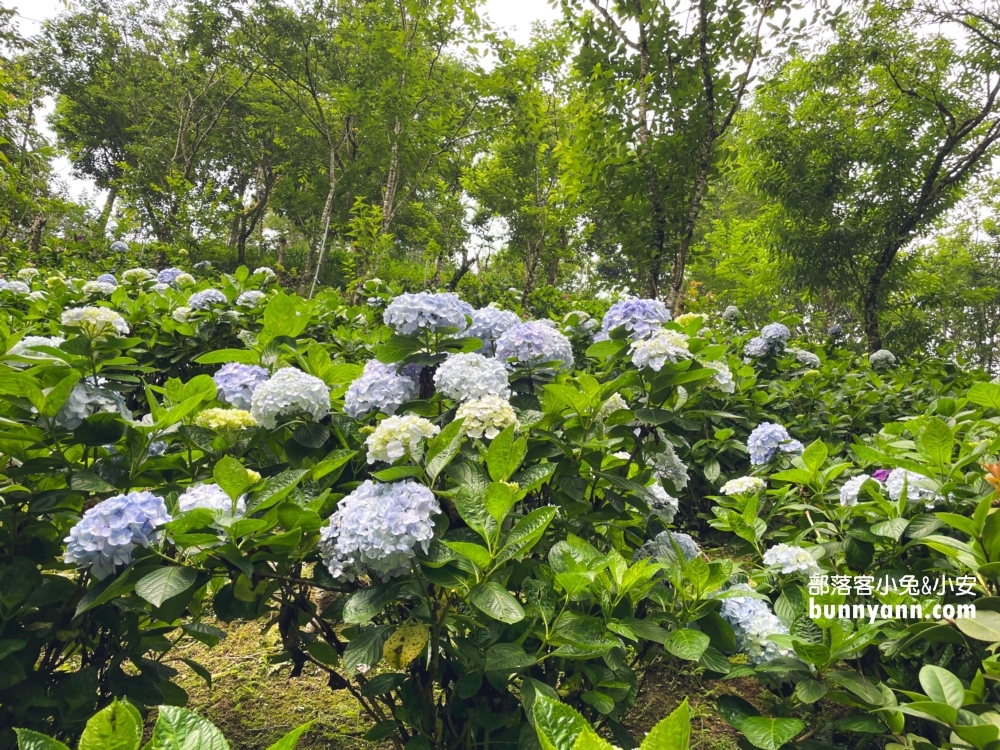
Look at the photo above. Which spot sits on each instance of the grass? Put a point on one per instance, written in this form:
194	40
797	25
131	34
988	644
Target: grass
255	703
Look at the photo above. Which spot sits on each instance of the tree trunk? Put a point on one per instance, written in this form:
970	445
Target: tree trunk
870	314
282	249
102	220
324	221
36	235
241	249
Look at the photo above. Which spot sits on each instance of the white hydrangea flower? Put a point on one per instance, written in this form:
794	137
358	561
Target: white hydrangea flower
95	322
662	347
181	314
86	400
251	298
27	274
409	314
919	489
98	288
806	359
465	376
852	488
664	504
25	347
289	393
743	486
211	497
379	527
662	547
731	313
36	296
395	437
137	276
791	559
487	416
159	287
723	378
264	271
206	299
614	403
183	279
225	420
667	465
881	359
380	388
688	318
16	287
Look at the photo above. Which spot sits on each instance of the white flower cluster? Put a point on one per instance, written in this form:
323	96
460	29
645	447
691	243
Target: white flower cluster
380	388
409	314
664	504
614	403
754	623
236	382
806	359
467	376
395	437
251	298
731	313
15	287
86	400
264	271
225	420
767	439
487	416
662	347
489	323
723	378
98	288
108	532
137	276
533	343
290	393
95	322
25	347
27	274
211	497
379	527
667	465
181	314
641	317
852	488
791	559
881	359
662	547
743	486
205	299
919	489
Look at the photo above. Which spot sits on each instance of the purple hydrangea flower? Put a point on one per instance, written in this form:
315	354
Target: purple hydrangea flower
534	342
639	316
168	275
206	298
409	314
107	278
881	474
767	439
237	382
380	388
489	323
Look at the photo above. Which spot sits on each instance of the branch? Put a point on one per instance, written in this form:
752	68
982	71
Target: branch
609	19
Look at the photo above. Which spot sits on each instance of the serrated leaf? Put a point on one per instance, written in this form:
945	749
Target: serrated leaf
770	734
686	643
179	729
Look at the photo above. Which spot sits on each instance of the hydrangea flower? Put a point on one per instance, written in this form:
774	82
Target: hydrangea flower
881	474
236	383
380	388
184	279
168	275
395	437
791	559
251	298
918	488
767	439
27	274
98	288
756	348
264	271
753	622
16	287
489	323
159	288
289	393
614	403
108	533
881	359
409	314
466	376
662	347
225	420
666	465
834	330
723	378
95	322
379	527
37	295
86	400
25	347
181	314
662	547
852	488
731	313
119	247
206	298
806	359
775	334
639	316
107	278
532	343
211	497
487	416
743	486
202	265
664	504
137	275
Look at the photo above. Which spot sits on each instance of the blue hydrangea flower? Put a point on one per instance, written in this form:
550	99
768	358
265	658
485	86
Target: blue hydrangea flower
731	313
835	330
290	393
206	298
237	382
409	314
775	332
378	528
662	547
756	348
753	622
168	275
119	247
534	342
639	316
251	298
489	323
380	388
202	265
467	376
108	533
87	399
767	439
107	278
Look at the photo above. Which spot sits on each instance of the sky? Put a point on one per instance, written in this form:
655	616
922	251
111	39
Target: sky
515	16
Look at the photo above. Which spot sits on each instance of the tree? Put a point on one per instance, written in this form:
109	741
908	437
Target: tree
860	148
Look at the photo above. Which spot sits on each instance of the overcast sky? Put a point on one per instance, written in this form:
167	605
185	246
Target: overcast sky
516	16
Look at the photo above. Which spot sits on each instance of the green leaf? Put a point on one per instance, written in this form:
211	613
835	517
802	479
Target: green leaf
936	443
29	740
942	686
165	583
557	725
398	348
671	733
363	605
117	727
223	356
985	394
59	394
526	533
505	455
985	626
601	701
179	729
365	648
508	658
231	476
475	552
499	500
810	691
815	455
770	734
471	507
443	448
687	644
495	601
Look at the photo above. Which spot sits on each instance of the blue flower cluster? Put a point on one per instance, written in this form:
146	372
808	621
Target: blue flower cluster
410	314
532	343
753	622
380	388
378	528
204	299
87	399
489	323
168	275
119	247
108	532
770	343
639	316
662	547
236	383
767	439
107	278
